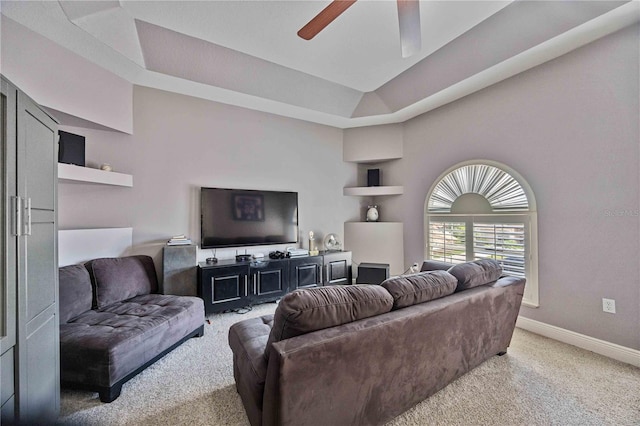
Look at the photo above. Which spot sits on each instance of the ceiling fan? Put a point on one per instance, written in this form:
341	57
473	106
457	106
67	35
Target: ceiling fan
408	19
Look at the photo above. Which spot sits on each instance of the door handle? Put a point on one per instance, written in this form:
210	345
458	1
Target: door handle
255	279
246	286
27	221
16	214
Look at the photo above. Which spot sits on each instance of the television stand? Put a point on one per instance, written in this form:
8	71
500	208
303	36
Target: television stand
231	284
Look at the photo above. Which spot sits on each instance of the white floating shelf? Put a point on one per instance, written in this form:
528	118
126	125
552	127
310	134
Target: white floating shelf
71	173
372	191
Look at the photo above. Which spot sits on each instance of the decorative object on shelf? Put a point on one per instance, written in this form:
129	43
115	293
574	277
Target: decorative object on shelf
106	167
373	177
179	240
213	259
332	243
372	214
313	250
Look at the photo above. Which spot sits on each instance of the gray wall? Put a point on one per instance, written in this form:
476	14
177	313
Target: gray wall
181	143
570	128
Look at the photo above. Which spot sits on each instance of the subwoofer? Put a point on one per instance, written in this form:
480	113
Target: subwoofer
372	273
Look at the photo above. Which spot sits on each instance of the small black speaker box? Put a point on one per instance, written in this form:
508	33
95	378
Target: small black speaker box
372	273
71	148
373	177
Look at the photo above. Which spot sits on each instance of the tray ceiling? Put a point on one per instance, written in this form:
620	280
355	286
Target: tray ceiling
247	53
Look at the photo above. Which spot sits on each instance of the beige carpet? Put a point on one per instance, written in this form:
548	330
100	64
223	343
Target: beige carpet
539	382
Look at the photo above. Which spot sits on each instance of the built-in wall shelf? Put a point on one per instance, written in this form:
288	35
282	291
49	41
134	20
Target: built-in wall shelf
372	191
78	174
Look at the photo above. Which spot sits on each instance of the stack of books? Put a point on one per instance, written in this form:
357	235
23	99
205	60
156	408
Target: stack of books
179	240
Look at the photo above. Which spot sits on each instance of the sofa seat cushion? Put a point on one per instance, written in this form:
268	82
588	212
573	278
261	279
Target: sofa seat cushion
476	273
307	310
121	278
102	346
247	340
75	292
411	289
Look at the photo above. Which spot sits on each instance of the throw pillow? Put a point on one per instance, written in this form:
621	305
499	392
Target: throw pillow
307	310
75	292
435	265
121	278
412	289
476	273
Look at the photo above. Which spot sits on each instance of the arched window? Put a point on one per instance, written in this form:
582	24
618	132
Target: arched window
479	210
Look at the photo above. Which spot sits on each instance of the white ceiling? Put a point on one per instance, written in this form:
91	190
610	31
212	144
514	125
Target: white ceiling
247	53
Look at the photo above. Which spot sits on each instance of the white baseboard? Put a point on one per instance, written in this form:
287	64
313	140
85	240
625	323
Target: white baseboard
611	350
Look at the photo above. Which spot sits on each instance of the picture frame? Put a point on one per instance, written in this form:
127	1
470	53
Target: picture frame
248	207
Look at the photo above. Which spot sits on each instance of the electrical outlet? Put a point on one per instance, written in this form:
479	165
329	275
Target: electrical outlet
609	305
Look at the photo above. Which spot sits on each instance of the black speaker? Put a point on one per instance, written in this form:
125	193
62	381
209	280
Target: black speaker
70	148
372	273
373	177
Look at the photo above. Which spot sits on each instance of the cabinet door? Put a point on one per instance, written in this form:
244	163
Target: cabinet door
305	272
223	288
337	268
8	248
38	393
269	280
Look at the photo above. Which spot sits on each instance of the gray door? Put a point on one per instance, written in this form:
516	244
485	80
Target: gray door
8	245
38	372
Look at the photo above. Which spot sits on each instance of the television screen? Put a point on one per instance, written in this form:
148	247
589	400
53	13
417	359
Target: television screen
240	217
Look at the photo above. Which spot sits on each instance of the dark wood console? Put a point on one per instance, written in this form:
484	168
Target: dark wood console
230	285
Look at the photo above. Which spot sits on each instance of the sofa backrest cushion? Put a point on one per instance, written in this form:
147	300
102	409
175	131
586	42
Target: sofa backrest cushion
307	310
408	290
121	278
75	292
476	273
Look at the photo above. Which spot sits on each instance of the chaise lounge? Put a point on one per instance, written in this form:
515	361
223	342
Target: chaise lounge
363	354
113	324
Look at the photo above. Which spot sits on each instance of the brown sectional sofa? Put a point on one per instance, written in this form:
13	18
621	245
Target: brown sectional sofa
113	324
361	355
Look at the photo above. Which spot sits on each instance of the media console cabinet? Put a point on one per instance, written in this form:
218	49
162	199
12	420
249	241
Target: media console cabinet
230	285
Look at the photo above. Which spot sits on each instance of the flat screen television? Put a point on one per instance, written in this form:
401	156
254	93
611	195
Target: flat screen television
242	217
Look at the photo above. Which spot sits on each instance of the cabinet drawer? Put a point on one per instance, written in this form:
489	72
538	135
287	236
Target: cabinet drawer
305	272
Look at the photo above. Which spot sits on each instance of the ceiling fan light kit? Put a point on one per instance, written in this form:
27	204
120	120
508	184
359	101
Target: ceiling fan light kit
408	20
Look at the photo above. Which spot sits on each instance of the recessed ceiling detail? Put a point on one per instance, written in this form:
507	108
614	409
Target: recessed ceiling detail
247	53
108	22
194	59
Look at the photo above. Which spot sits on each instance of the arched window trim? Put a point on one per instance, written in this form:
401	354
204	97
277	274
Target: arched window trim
529	218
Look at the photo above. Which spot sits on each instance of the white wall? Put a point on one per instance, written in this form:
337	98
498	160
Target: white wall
59	79
571	129
181	143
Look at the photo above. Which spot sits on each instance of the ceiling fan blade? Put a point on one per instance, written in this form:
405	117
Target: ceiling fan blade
324	18
409	20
